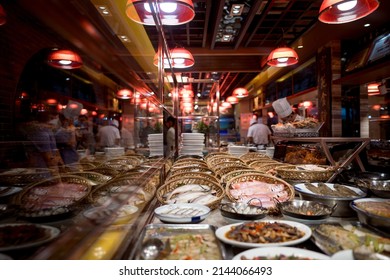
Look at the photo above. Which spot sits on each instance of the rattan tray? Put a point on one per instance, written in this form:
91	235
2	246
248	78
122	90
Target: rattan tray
190	169
292	173
227	169
94	177
250	177
264	167
253	156
230	175
222	159
172	185
195	175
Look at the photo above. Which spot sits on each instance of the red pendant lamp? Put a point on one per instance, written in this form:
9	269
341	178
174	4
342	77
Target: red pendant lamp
342	11
282	57
172	12
64	59
124	94
232	100
240	92
180	58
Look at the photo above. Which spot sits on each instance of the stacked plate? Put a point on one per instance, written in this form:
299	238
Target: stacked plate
114	151
156	144
238	150
192	144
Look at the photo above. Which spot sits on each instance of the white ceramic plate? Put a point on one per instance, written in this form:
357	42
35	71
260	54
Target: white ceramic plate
302	188
221	235
49	234
272	252
6	191
182	213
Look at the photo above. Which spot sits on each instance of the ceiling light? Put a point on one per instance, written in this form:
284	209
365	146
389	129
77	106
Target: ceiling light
180	58
281	57
124	94
232	100
236	9
342	11
64	59
373	89
173	12
240	92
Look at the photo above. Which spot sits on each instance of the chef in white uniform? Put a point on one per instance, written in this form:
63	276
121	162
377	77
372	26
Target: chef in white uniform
285	112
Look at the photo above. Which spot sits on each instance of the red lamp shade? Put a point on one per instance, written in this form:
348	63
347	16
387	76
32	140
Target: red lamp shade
180	58
372	89
226	105
240	92
232	99
64	59
342	11
281	57
172	12
124	93
3	16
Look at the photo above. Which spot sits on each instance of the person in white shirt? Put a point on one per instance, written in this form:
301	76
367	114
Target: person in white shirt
258	133
109	135
170	123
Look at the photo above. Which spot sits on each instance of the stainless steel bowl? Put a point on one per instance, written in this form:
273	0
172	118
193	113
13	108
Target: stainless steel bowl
306	209
242	211
381	223
340	204
376	183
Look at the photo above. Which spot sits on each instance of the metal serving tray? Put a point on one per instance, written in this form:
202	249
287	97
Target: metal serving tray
164	231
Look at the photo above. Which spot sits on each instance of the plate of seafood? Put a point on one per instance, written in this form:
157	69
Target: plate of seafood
331	194
280	253
264	233
182	213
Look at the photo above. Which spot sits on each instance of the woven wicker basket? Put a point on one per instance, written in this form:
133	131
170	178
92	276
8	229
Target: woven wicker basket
222	165
189	160
266	166
230	175
36	193
24	176
106	171
183	170
195	175
188	164
172	185
77	167
252	156
131	162
250	177
109	189
294	174
226	169
94	177
221	159
214	154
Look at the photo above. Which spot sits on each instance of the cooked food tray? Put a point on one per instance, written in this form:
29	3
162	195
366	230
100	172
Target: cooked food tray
187	241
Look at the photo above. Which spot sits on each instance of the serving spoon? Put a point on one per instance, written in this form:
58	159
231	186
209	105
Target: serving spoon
155	248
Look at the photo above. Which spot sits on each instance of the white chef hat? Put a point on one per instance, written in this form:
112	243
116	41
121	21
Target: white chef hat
282	107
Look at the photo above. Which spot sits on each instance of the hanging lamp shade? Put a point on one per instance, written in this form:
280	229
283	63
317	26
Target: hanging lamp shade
232	100
182	58
172	12
124	93
281	57
226	105
373	89
240	92
3	16
342	11
64	59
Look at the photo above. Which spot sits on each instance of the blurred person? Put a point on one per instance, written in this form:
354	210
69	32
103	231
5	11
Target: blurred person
108	135
170	135
66	140
127	137
285	112
144	132
258	133
41	150
84	134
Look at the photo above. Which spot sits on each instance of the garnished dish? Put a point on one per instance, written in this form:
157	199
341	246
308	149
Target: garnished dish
333	190
332	238
280	253
242	211
191	193
181	242
24	235
266	233
182	213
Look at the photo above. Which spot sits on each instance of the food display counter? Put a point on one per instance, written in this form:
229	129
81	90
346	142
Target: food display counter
112	230
326	144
